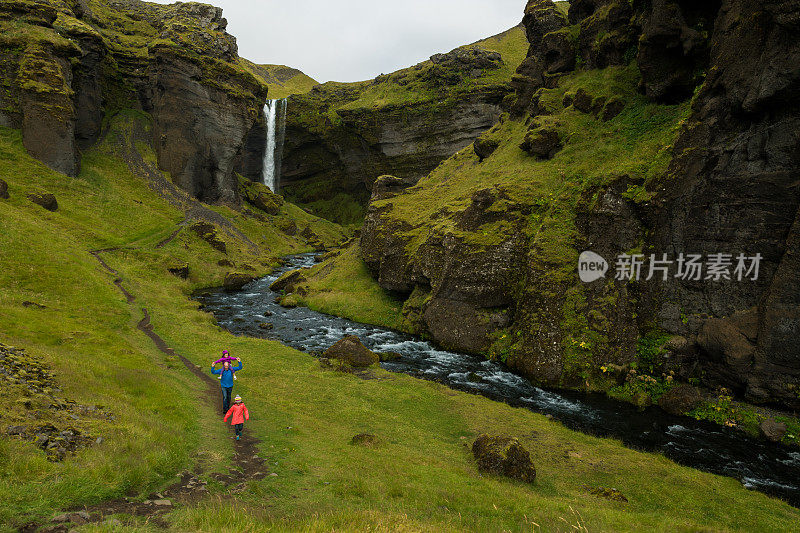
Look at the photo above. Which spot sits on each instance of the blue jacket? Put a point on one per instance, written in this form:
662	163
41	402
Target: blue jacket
227	375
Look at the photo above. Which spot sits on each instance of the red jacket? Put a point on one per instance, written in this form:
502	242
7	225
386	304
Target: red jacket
238	413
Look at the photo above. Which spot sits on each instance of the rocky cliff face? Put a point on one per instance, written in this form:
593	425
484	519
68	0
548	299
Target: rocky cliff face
732	187
492	268
69	63
340	137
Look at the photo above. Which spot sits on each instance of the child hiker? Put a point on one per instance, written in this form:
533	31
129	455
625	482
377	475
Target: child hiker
227	355
238	413
226	381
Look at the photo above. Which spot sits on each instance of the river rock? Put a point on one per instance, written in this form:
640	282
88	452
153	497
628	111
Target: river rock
390	356
772	430
236	280
350	351
46	200
680	399
288	281
505	456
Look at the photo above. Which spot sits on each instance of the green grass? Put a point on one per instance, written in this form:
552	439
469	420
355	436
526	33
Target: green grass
422	476
281	80
86	333
342	286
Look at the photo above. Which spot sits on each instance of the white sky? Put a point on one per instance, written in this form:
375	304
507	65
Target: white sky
353	40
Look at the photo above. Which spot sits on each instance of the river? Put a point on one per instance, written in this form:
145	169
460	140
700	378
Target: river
759	465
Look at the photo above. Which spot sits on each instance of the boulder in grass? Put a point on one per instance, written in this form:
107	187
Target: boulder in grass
542	142
46	200
485	146
582	101
3	189
236	280
772	430
613	107
181	270
349	350
365	439
504	456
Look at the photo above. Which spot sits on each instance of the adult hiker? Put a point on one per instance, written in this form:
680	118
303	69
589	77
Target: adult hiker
226	374
238	413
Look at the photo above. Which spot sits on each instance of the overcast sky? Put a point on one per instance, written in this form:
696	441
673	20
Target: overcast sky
354	40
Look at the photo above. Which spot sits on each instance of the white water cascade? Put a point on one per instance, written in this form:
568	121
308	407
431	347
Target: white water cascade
275	120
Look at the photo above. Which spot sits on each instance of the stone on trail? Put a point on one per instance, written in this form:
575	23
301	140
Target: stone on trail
163	503
505	456
349	350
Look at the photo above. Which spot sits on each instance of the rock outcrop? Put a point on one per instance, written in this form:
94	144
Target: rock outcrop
475	279
732	188
341	136
67	65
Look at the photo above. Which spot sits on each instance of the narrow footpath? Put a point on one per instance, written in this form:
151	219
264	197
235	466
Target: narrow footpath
189	488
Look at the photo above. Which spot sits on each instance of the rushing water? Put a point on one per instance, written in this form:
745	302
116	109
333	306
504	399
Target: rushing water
759	465
274	118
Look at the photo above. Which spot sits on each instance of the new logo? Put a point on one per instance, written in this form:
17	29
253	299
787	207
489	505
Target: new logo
591	266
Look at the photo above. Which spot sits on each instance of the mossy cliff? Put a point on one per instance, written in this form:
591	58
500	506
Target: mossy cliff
341	136
637	128
68	64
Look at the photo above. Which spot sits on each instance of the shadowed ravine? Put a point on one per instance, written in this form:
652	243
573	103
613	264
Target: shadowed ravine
763	466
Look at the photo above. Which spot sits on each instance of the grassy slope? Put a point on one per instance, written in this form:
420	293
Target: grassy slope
408	85
422	476
281	80
339	281
86	332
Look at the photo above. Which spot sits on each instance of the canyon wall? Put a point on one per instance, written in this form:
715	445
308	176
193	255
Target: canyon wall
69	63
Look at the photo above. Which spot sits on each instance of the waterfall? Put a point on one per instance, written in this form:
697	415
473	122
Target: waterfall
275	121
